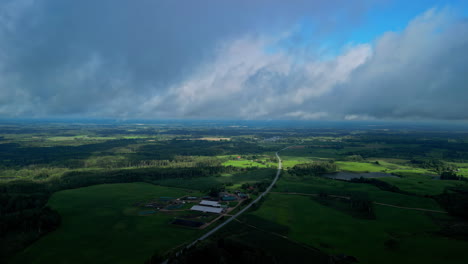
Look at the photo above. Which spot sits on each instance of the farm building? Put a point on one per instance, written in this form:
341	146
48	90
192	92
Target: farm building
228	198
207	209
210	203
242	195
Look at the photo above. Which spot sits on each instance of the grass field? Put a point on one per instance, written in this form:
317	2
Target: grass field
360	166
420	184
317	185
101	225
463	172
244	164
382	166
338	233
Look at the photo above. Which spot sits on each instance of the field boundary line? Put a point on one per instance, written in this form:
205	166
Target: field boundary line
412	208
383	204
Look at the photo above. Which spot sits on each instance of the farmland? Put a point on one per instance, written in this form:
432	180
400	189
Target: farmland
69	189
335	232
101	220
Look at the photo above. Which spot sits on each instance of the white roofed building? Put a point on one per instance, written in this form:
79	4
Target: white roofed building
210	203
207	209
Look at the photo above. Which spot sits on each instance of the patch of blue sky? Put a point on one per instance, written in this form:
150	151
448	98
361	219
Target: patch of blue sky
304	42
388	16
395	16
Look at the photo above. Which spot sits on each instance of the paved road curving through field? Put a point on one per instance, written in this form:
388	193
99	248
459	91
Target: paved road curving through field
209	233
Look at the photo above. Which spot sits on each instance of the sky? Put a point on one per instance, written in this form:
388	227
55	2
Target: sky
242	59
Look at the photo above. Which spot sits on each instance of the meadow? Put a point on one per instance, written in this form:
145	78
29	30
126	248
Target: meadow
412	234
317	185
100	224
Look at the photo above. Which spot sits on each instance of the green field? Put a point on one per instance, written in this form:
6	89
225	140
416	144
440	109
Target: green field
421	184
101	225
335	232
244	164
316	185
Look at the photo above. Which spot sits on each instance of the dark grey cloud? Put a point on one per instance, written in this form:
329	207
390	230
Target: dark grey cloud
211	59
90	57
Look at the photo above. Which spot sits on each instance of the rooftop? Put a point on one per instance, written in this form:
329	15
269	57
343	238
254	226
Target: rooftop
210	203
207	209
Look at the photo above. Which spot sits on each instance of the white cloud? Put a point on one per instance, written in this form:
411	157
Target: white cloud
306	116
245	80
417	73
358	117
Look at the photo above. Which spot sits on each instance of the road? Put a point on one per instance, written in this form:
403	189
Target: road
278	172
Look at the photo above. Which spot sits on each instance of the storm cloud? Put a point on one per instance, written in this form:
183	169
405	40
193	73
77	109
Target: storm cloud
225	59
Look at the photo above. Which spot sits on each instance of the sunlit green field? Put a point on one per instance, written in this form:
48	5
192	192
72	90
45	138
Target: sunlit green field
380	166
463	172
101	225
244	164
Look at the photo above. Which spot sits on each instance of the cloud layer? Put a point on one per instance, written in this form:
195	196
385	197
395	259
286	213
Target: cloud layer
204	59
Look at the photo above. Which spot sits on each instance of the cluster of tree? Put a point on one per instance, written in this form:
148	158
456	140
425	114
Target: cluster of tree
327	145
78	179
257	187
412	145
450	175
433	164
24	216
21	228
113	162
354	158
455	201
315	168
172	148
167	154
363	206
13	155
215	190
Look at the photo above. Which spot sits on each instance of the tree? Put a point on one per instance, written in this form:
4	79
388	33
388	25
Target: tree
449	175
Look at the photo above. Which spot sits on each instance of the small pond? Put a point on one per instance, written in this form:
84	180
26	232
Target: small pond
352	175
